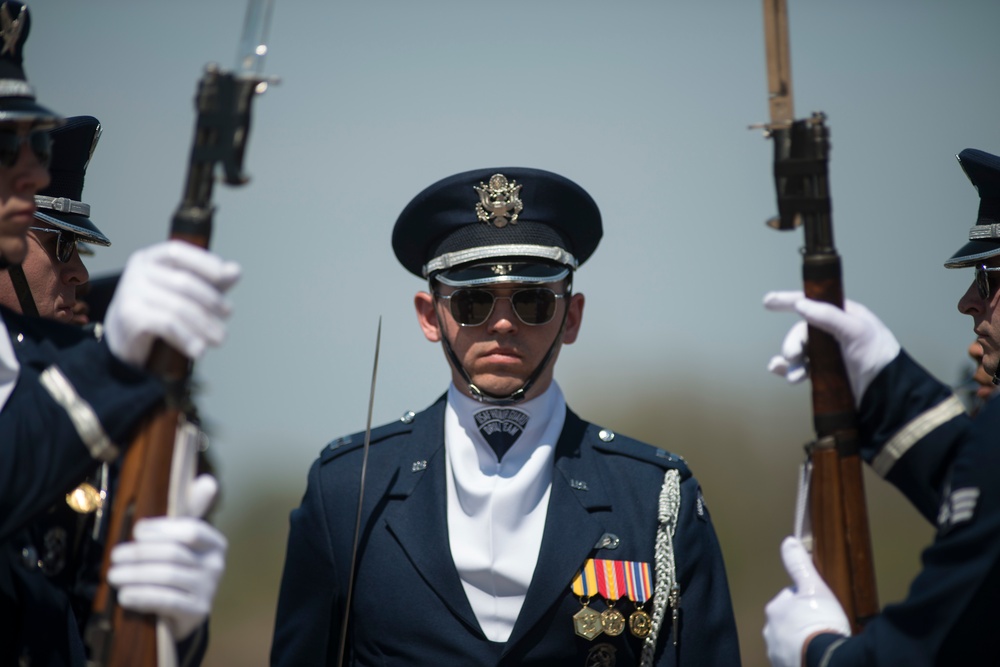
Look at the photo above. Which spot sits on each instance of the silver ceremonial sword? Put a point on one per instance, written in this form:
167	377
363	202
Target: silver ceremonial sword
361	496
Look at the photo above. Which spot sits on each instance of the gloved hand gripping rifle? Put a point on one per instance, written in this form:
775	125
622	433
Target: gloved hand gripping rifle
120	638
841	543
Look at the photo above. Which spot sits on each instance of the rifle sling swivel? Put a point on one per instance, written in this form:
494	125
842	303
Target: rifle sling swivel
845	442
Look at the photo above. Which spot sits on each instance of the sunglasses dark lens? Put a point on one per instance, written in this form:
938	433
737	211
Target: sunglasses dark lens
41	146
471	306
983	283
534	306
65	245
10	147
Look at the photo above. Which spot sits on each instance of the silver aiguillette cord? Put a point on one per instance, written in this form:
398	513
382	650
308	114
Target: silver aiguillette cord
361	496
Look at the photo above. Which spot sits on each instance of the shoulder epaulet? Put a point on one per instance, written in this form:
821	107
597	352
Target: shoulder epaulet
351	442
606	440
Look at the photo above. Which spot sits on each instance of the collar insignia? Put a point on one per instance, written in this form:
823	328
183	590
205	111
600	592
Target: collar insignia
499	202
10	30
501	427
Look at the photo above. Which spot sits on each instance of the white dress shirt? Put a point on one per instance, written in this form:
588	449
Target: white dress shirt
9	366
496	509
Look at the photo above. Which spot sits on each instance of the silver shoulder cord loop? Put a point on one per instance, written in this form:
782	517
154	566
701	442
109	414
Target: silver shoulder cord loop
665	565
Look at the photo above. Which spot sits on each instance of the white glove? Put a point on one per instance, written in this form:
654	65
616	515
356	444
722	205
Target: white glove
799	612
174	291
173	566
866	343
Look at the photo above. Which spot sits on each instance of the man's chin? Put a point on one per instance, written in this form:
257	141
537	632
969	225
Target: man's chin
61	315
990	365
499	387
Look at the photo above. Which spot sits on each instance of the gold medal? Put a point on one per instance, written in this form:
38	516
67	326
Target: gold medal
612	621
638	587
611	584
587	622
84	499
640	624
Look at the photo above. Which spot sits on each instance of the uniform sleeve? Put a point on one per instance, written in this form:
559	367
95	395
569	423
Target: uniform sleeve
707	628
910	426
70	408
948	616
307	626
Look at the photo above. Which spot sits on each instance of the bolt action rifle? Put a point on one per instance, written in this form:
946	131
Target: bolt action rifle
161	458
837	514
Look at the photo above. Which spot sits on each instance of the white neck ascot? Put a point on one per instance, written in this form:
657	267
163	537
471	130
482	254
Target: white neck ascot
9	366
496	509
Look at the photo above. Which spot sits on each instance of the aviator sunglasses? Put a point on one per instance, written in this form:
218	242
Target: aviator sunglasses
472	307
983	280
10	147
65	242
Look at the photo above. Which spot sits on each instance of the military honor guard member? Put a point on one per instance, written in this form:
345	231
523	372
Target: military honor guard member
68	401
45	283
498	527
916	434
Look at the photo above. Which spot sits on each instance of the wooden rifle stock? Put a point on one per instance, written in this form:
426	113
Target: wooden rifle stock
841	540
117	637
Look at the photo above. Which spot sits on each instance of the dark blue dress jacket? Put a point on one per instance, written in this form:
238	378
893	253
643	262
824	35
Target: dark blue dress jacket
409	607
42	455
45	584
919	438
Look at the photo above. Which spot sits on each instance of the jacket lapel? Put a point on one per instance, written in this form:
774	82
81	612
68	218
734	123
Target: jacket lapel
571	531
418	519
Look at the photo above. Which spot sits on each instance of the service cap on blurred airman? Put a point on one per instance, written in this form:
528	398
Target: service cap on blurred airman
505	224
59	204
17	97
983	170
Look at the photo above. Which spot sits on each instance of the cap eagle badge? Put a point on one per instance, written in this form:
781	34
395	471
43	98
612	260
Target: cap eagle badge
10	29
499	202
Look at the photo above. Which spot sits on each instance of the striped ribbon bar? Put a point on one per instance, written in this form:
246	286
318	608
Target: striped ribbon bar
611	579
585	581
638	584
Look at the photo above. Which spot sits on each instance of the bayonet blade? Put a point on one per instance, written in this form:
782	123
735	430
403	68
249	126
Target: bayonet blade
253	43
779	64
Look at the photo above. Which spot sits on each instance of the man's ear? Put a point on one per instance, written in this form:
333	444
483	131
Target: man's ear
427	316
574	317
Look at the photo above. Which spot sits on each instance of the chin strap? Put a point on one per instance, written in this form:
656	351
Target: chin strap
518	396
23	290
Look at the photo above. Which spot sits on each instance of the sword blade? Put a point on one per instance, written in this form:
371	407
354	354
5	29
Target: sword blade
779	64
361	496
